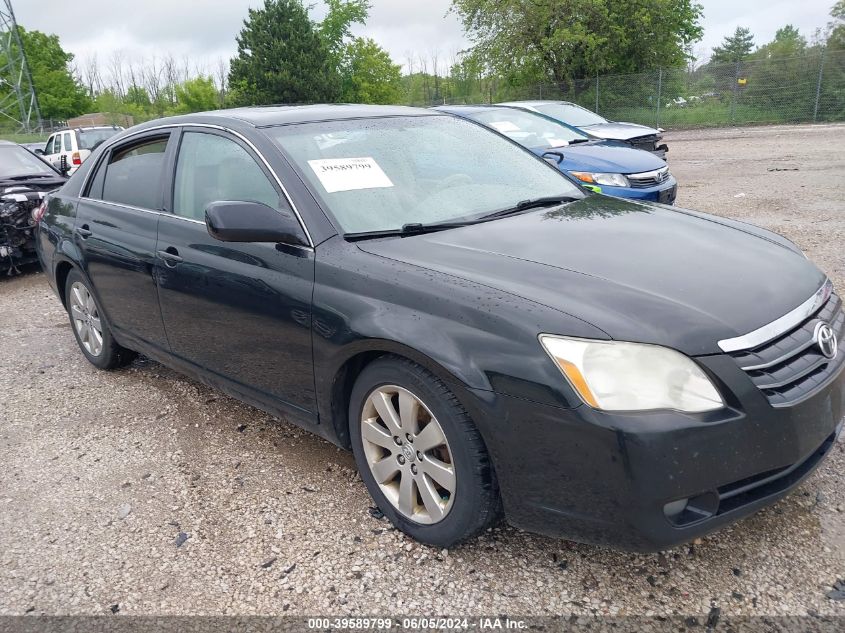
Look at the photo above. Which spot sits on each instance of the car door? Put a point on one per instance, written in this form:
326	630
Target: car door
240	311
116	224
50	150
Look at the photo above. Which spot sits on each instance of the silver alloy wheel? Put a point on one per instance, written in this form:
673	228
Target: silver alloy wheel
86	319
408	454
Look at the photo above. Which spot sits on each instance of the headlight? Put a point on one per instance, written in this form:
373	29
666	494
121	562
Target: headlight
616	376
611	180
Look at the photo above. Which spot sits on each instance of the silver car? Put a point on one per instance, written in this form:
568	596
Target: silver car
639	136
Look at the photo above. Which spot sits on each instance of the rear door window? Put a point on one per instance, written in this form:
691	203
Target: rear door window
134	174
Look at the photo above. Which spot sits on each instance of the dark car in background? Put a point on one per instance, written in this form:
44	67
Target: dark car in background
485	335
634	134
608	167
24	180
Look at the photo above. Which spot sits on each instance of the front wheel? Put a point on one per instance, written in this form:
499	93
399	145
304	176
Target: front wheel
419	454
90	326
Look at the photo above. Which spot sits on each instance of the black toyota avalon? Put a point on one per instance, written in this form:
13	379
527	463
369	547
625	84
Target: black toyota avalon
487	337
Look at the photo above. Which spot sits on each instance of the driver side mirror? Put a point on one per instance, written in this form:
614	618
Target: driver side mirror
247	221
39	151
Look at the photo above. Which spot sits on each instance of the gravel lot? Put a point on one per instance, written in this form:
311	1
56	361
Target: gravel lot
145	492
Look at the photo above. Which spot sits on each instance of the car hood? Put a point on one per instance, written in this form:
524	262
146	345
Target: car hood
603	156
639	272
621	131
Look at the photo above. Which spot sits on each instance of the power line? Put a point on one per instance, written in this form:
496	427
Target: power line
19	103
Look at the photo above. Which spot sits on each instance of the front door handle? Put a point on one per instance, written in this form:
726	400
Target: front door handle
170	257
83	231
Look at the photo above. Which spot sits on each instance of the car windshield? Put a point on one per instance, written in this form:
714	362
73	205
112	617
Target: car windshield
382	174
571	114
527	129
16	161
90	139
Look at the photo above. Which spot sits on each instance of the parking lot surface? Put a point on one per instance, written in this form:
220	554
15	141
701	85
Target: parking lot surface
140	491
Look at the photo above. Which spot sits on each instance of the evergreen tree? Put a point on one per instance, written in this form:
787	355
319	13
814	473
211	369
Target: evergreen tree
734	48
281	58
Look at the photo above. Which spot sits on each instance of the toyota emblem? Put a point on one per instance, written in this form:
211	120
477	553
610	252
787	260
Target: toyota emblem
825	338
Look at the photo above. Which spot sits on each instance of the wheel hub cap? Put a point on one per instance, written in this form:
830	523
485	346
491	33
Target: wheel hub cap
408	454
86	319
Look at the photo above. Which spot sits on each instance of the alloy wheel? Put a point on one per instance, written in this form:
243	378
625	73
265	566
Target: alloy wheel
408	454
86	319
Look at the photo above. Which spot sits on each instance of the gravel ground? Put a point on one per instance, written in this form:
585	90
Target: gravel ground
142	492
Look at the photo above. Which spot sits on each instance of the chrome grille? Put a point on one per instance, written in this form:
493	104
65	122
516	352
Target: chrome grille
791	367
649	178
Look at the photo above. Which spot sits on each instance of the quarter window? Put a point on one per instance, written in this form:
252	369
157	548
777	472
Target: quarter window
212	168
133	174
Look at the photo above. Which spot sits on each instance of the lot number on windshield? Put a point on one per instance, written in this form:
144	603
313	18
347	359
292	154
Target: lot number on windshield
346	174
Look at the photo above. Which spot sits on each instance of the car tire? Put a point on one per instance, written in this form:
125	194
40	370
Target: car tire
90	326
423	506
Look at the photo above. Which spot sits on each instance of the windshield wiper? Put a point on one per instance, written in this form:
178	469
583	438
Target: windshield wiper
28	176
525	205
413	228
417	228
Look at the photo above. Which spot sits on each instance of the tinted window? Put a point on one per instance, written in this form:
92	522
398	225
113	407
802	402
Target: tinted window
133	175
212	168
95	189
16	161
91	139
379	174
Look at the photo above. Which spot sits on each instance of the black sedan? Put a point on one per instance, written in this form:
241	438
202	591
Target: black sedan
486	336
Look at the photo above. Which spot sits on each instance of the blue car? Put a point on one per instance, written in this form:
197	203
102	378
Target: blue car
609	167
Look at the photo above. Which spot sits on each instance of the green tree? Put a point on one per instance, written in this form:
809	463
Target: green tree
281	58
560	40
836	28
734	48
369	75
336	28
788	42
196	95
59	94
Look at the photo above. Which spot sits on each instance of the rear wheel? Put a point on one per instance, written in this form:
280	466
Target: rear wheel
90	326
420	455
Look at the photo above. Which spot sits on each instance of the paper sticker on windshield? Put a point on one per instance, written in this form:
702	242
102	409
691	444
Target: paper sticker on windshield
558	142
504	126
346	174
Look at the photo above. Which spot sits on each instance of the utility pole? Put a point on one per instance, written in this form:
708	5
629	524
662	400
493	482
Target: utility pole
18	101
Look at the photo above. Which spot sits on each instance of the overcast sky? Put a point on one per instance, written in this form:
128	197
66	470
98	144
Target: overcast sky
205	30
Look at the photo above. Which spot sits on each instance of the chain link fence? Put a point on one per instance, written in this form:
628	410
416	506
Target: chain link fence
810	88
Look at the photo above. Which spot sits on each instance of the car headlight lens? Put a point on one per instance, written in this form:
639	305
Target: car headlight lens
611	180
618	376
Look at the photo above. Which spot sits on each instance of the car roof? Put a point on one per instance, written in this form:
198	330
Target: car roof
267	116
536	102
470	108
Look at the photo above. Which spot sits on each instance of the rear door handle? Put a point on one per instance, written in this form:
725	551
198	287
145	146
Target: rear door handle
170	257
83	231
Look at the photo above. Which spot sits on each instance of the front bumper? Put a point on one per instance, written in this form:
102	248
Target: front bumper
606	478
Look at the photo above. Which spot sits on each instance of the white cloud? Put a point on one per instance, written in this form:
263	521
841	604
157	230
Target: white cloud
205	30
